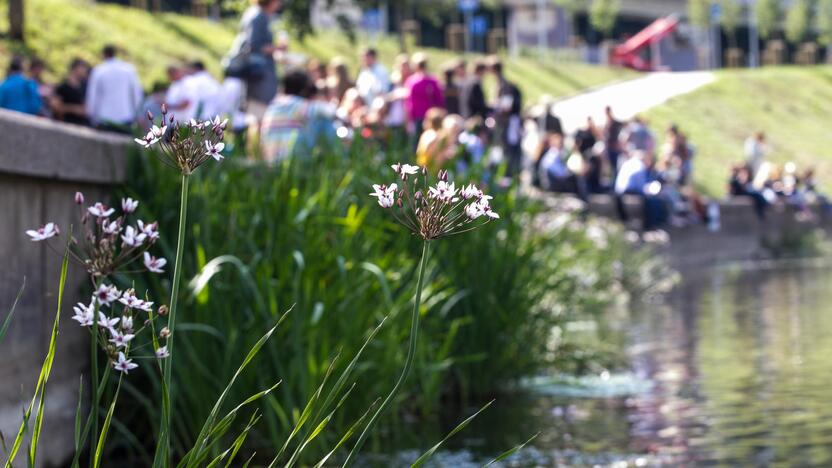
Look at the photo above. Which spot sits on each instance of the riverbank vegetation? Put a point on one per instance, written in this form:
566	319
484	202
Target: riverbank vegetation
497	302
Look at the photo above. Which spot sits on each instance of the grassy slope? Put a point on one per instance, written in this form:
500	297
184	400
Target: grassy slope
59	30
790	104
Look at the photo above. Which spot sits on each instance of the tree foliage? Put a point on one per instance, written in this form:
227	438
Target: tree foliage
797	21
823	21
603	14
699	13
730	17
768	16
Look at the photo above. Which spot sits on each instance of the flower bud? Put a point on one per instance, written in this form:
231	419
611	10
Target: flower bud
163	310
164	109
164	333
79	198
443	175
171	118
150	115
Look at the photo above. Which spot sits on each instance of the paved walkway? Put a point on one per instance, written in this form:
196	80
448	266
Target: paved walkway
628	98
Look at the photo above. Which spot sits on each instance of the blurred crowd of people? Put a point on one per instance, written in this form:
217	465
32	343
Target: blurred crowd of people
454	120
767	183
621	158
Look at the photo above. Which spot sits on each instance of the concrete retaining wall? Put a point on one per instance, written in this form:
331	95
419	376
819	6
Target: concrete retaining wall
742	235
42	165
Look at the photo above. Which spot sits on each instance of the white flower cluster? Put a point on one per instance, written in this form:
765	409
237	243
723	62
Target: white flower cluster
185	146
433	211
112	314
109	243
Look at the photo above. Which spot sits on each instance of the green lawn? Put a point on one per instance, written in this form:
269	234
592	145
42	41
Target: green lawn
59	30
790	104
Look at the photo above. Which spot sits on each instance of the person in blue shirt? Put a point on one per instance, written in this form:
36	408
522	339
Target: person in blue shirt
19	93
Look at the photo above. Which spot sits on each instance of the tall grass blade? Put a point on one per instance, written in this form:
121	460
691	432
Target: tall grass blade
8	320
77	433
105	429
512	451
347	435
425	456
336	388
209	422
43	378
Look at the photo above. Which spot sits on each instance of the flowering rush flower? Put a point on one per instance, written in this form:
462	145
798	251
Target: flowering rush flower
107	322
153	264
119	339
131	301
84	314
122	364
433	211
128	205
106	294
43	233
162	352
185	146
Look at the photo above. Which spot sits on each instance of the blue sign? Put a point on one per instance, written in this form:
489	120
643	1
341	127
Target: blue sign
478	25
371	19
716	11
468	6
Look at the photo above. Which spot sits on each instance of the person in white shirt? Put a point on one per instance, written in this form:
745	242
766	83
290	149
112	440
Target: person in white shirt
181	97
114	93
206	90
755	152
373	80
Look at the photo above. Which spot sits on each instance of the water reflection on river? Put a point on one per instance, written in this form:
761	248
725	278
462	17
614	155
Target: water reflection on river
735	368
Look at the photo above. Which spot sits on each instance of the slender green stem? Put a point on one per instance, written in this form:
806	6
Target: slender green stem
408	363
162	456
94	379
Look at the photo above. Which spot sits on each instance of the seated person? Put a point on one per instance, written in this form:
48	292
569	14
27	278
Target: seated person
637	177
429	150
294	124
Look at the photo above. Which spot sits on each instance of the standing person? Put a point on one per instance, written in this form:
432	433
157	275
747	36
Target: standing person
612	143
294	124
338	81
636	136
252	55
114	93
508	109
424	92
152	103
454	75
181	98
396	118
19	93
373	79
70	94
206	90
472	98
755	152
45	90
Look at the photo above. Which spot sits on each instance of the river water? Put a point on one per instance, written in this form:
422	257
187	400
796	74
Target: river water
734	368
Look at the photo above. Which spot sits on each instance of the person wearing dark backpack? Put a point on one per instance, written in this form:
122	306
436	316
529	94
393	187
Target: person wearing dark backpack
252	55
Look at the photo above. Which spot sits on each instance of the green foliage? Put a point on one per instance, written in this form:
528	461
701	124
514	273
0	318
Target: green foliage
823	21
730	18
306	233
603	14
797	21
768	17
699	13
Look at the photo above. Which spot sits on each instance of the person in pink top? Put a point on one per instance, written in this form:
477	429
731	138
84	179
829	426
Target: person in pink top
424	92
